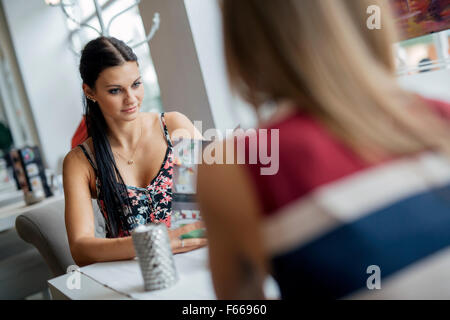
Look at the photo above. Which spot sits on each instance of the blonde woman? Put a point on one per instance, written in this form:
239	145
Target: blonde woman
362	191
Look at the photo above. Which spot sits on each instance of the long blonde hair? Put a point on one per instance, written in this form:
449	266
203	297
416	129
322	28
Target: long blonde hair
321	55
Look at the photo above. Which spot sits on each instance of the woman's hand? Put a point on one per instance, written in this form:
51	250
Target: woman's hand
180	246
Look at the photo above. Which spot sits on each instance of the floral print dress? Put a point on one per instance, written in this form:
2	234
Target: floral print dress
150	204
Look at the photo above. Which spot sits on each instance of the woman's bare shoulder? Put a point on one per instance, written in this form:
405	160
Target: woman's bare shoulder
75	160
73	156
77	171
177	119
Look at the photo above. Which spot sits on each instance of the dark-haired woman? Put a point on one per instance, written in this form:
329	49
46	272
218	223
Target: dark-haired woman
126	164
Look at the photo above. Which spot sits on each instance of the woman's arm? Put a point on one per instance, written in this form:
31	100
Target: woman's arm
231	212
79	217
180	126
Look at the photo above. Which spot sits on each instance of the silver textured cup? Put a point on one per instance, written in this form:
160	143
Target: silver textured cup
152	246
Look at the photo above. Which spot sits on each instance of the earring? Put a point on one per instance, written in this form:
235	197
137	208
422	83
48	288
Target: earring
92	99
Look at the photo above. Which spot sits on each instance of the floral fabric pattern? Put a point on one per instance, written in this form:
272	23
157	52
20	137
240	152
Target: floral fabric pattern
153	203
150	204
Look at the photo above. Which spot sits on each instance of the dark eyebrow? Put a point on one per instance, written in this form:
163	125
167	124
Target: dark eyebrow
116	85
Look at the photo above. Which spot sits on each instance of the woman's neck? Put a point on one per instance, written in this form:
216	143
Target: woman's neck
125	134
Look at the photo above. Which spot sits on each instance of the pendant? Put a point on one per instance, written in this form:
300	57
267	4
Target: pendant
130	162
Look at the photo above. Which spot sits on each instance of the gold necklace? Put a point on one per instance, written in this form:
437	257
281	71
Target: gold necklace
131	161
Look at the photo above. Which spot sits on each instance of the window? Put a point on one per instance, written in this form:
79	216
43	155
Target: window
423	54
127	27
12	111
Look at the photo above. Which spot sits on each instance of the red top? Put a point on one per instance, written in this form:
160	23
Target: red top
309	157
80	134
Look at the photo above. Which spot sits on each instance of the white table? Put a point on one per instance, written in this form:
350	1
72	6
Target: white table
123	280
9	213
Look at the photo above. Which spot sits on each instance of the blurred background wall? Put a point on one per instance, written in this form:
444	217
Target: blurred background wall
49	74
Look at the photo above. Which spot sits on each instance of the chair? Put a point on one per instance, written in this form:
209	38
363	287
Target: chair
23	272
45	229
